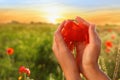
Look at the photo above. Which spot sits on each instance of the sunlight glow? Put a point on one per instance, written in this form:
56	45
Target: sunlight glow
52	14
53	19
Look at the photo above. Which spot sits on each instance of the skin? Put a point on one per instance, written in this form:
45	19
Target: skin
64	56
86	58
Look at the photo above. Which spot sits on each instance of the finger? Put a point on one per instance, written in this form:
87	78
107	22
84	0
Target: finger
60	27
55	46
80	20
55	50
58	36
98	38
60	42
92	33
79	47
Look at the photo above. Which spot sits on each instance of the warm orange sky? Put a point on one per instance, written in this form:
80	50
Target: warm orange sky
55	11
98	17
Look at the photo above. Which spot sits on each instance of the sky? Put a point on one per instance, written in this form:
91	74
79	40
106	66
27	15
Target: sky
54	11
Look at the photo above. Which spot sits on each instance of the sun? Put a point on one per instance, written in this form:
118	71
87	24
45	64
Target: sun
52	14
53	19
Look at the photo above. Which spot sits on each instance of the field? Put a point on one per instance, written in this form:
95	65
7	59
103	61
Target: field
32	48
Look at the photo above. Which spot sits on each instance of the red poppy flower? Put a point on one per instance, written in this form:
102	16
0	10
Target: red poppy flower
10	51
113	36
23	69
109	30
27	70
107	50
75	31
108	44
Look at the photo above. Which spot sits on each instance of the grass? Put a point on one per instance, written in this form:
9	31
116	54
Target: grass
32	45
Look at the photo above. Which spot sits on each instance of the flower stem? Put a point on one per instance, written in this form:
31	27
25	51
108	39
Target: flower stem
24	76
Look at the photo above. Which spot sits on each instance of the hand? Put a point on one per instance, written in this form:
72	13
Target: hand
64	56
87	54
87	57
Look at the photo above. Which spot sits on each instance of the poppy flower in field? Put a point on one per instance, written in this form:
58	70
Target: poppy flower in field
23	69
108	44
107	50
27	70
10	51
109	30
75	31
113	36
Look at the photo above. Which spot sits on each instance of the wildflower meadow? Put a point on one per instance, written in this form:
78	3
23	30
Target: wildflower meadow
26	54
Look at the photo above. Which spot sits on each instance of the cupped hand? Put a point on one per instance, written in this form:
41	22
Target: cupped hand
87	56
64	56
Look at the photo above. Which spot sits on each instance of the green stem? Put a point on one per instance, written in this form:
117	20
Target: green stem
24	76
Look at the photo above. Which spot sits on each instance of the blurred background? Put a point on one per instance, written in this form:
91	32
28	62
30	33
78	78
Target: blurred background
26	33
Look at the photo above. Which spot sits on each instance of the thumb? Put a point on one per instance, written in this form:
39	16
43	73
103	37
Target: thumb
92	33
